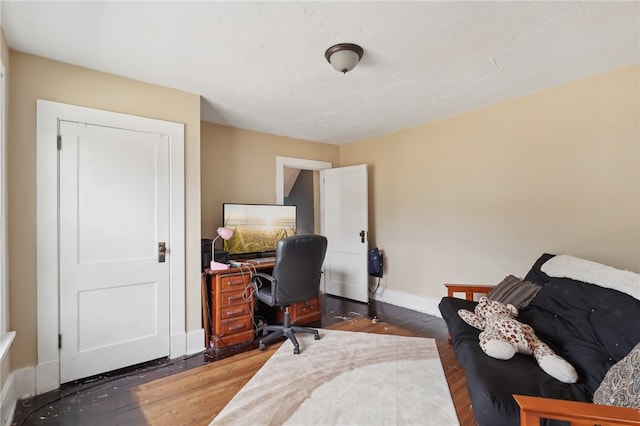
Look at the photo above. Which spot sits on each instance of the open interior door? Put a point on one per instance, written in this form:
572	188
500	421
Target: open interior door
345	223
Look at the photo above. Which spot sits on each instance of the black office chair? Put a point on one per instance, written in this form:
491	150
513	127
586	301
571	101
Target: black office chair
295	278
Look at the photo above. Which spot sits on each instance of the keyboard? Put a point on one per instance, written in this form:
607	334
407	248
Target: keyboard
262	260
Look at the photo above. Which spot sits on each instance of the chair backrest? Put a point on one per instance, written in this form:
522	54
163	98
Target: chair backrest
298	268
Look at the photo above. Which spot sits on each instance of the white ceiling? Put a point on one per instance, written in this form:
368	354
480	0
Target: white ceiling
261	66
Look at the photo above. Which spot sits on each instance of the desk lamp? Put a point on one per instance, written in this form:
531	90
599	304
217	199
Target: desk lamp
225	233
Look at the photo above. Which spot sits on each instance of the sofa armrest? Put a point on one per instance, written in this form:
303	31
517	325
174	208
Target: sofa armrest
468	289
532	409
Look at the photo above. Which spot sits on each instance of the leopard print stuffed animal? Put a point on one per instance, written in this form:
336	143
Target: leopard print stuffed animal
503	336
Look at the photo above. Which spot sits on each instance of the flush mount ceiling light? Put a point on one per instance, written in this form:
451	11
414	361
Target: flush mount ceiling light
344	56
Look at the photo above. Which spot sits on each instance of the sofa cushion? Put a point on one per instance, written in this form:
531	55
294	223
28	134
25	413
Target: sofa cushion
515	291
590	326
621	385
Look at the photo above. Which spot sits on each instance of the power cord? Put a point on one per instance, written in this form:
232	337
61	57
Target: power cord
248	293
377	286
246	297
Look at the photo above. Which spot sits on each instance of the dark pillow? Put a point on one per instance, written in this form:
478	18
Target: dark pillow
515	291
535	275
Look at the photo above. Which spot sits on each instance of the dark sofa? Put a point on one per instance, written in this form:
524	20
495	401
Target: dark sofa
590	326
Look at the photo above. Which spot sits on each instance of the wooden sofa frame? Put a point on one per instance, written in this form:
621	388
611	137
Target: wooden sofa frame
533	409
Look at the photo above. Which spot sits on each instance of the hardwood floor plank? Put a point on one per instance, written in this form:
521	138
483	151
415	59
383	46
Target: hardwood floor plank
192	391
204	391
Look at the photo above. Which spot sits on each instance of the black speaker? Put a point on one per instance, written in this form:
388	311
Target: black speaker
375	262
221	256
205	249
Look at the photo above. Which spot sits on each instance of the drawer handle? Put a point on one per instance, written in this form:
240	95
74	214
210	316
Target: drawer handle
236	327
234	312
234	297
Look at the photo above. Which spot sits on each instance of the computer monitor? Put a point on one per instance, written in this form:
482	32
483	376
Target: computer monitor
257	228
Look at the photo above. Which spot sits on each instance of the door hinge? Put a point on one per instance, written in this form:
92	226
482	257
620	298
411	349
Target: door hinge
59	341
59	142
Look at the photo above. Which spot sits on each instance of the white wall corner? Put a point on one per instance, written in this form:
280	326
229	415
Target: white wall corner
195	341
7	401
24	383
408	301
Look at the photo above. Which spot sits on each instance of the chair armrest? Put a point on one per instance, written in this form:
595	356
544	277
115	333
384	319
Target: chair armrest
532	409
255	282
468	289
268	296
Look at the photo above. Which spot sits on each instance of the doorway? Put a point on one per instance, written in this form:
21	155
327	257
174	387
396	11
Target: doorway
346	278
302	189
50	114
287	174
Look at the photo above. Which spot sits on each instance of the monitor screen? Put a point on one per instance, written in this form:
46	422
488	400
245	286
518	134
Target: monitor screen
257	228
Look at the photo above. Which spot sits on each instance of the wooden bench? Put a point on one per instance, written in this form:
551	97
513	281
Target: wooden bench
469	290
533	409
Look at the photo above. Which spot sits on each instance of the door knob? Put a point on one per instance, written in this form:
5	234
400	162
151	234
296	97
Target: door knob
362	236
162	251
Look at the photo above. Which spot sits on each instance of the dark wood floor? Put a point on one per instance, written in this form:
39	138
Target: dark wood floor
107	399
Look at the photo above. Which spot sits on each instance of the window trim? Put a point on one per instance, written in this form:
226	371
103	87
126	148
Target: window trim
6	338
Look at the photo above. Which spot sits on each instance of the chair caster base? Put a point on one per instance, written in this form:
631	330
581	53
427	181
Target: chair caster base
296	351
262	346
316	337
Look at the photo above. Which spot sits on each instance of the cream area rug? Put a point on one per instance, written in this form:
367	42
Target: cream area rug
346	378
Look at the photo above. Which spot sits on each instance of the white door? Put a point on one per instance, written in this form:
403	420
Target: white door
114	212
345	220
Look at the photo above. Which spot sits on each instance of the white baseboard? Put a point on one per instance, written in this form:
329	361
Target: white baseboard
24	383
195	341
178	345
7	401
29	381
409	301
47	376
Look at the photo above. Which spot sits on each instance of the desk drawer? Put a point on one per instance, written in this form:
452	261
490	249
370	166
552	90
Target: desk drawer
231	311
303	312
234	282
235	325
229	298
307	307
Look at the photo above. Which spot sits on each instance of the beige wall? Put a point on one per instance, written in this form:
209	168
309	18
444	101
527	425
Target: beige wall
467	199
4	50
239	166
481	195
4	55
32	78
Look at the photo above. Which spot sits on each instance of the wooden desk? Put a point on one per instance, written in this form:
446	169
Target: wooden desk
228	306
